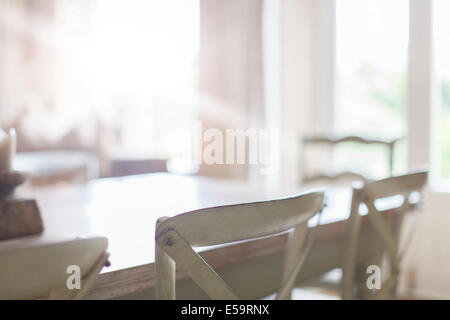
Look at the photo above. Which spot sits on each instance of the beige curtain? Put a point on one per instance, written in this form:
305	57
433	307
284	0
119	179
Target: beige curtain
231	72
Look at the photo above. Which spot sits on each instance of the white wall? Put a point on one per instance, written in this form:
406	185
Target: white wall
307	83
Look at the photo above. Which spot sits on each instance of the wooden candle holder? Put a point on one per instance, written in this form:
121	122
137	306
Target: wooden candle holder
18	217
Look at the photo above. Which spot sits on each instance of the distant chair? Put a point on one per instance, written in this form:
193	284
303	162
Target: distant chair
345	175
42	271
176	237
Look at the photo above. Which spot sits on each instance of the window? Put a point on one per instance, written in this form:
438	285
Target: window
371	81
441	117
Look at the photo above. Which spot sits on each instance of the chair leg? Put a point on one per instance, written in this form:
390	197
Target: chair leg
350	255
165	273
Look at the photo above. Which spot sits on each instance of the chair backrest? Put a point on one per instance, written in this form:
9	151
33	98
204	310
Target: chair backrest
345	175
43	271
387	227
176	237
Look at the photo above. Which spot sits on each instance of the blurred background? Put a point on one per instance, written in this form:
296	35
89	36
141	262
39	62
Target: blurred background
103	88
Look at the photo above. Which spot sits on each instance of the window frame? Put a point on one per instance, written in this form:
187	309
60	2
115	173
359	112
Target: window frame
421	106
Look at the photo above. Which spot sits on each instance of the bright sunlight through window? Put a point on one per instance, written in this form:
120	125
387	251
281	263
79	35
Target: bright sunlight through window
441	117
371	62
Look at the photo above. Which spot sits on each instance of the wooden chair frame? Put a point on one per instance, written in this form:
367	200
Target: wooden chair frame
333	141
176	237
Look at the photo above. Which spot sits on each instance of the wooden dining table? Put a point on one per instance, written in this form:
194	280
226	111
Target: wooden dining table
125	211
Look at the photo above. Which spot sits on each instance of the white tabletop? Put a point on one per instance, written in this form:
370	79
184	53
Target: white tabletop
125	209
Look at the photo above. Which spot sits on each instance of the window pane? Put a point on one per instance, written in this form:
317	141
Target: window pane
371	61
441	125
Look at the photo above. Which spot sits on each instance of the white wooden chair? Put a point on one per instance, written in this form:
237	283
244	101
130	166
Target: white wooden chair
40	272
176	237
387	226
386	229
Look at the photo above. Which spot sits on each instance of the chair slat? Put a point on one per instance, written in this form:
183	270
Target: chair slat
383	230
194	266
396	185
358	139
296	254
224	224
